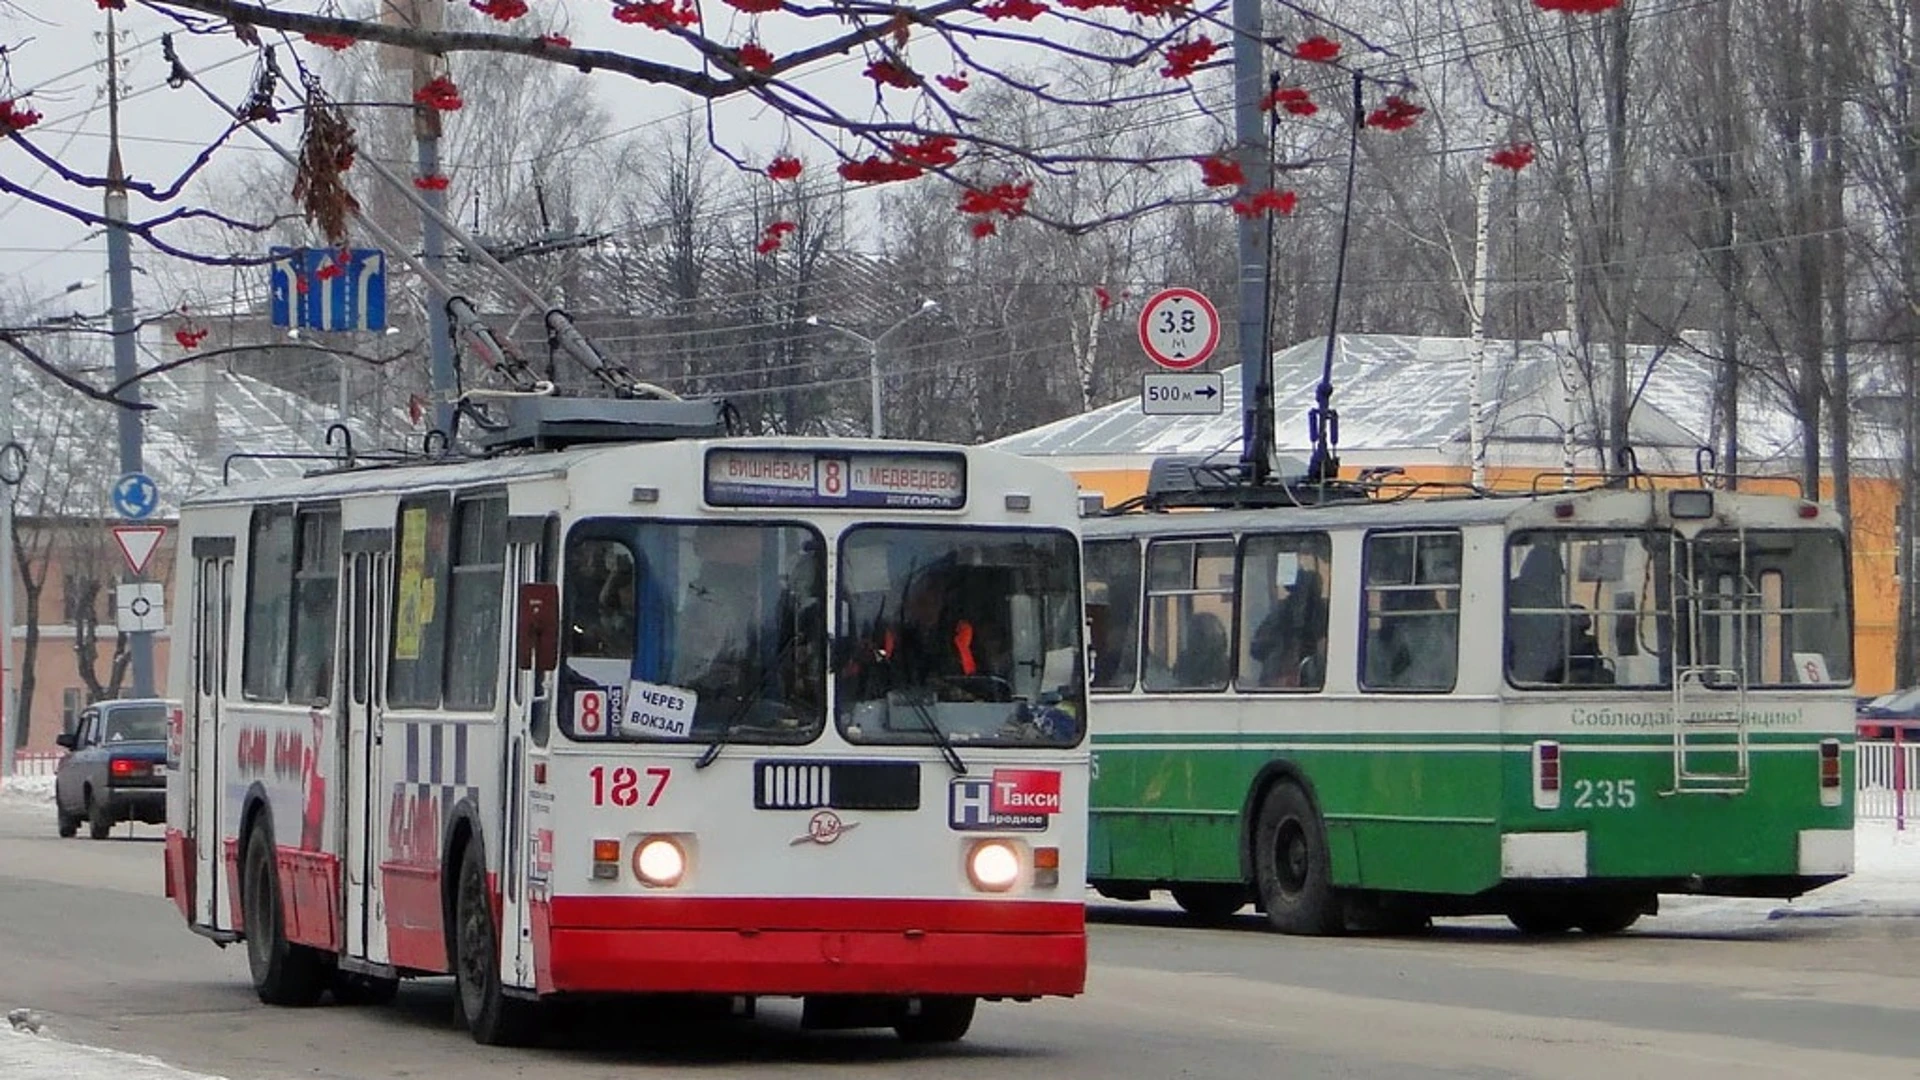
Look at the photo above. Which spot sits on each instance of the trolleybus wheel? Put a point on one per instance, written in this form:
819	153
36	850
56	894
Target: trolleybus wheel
1610	914
1290	865
934	1019
283	973
494	1018
1210	903
1541	918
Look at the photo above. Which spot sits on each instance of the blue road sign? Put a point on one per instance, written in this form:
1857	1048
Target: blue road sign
314	289
135	495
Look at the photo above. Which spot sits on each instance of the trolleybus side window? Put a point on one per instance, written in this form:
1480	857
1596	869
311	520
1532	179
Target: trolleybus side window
694	632
1189	608
1113	612
263	669
1283	611
1410	635
316	588
419	638
971	636
478	575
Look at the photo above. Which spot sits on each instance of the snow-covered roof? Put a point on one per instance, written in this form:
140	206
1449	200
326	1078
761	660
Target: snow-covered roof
1404	400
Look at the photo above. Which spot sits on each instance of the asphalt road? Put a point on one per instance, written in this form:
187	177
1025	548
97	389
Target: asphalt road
86	938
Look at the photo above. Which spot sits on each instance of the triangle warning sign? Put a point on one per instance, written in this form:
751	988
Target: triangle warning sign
137	543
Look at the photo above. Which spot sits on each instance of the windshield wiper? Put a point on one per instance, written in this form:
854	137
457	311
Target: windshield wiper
939	734
728	730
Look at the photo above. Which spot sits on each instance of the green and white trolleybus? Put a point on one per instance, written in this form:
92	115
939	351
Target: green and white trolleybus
1553	707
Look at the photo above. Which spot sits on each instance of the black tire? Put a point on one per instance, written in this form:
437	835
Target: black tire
68	824
1542	918
99	818
283	973
1210	903
1291	871
1611	914
936	1020
356	988
494	1018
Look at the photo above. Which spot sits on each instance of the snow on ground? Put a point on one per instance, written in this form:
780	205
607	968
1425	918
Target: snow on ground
25	1056
35	791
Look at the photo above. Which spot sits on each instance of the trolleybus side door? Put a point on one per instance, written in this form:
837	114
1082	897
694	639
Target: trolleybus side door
531	542
365	571
212	622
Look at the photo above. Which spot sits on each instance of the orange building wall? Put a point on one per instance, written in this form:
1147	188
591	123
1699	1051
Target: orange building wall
1876	591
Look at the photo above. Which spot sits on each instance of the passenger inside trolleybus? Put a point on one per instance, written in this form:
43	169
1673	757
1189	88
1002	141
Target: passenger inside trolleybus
946	636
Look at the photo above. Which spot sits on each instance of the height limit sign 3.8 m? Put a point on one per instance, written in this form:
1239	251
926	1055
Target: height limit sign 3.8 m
1179	328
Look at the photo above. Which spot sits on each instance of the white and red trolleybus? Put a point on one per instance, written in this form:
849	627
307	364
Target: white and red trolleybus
733	717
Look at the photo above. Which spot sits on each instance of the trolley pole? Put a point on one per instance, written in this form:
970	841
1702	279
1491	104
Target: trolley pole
125	358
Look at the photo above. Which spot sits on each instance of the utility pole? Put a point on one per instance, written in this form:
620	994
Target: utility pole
120	302
433	242
1256	386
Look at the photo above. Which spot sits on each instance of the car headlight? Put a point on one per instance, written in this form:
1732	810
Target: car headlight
993	866
659	861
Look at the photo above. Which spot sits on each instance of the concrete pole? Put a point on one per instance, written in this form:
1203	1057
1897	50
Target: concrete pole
1250	135
121	303
433	242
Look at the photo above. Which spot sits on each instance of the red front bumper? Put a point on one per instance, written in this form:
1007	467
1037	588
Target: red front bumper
812	946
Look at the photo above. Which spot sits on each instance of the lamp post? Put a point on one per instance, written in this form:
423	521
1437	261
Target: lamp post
874	426
13	468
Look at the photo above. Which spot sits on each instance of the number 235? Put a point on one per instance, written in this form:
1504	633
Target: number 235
1603	794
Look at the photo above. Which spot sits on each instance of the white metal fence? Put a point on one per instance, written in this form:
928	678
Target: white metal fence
37	762
1888	780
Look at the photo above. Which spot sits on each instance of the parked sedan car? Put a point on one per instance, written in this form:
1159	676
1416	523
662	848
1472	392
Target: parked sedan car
116	769
1881	717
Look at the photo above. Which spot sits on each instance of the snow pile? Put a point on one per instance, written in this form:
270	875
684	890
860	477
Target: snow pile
26	790
35	1057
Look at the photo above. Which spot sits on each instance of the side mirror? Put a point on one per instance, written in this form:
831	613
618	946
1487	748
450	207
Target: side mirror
537	633
66	740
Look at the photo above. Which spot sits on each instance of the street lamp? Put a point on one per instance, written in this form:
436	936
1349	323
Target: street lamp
14	472
874	427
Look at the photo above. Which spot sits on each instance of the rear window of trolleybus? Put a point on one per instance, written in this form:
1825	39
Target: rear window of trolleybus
1595	609
968	635
693	632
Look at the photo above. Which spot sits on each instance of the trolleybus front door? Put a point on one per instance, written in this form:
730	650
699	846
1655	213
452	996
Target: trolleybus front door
212	580
527	846
366	588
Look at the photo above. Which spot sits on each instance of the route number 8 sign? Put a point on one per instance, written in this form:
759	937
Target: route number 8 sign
1179	328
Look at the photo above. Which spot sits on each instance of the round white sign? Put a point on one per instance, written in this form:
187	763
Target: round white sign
1179	328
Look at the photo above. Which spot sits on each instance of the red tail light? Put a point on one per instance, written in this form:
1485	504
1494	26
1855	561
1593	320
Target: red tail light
1546	775
127	768
1830	763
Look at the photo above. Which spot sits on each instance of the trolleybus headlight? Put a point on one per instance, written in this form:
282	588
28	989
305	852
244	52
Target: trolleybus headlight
659	861
993	866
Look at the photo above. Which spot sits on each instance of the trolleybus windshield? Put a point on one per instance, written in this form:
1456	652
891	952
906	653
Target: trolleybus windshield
970	634
693	632
1595	608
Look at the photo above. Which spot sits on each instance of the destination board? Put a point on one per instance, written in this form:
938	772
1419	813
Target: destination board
836	479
